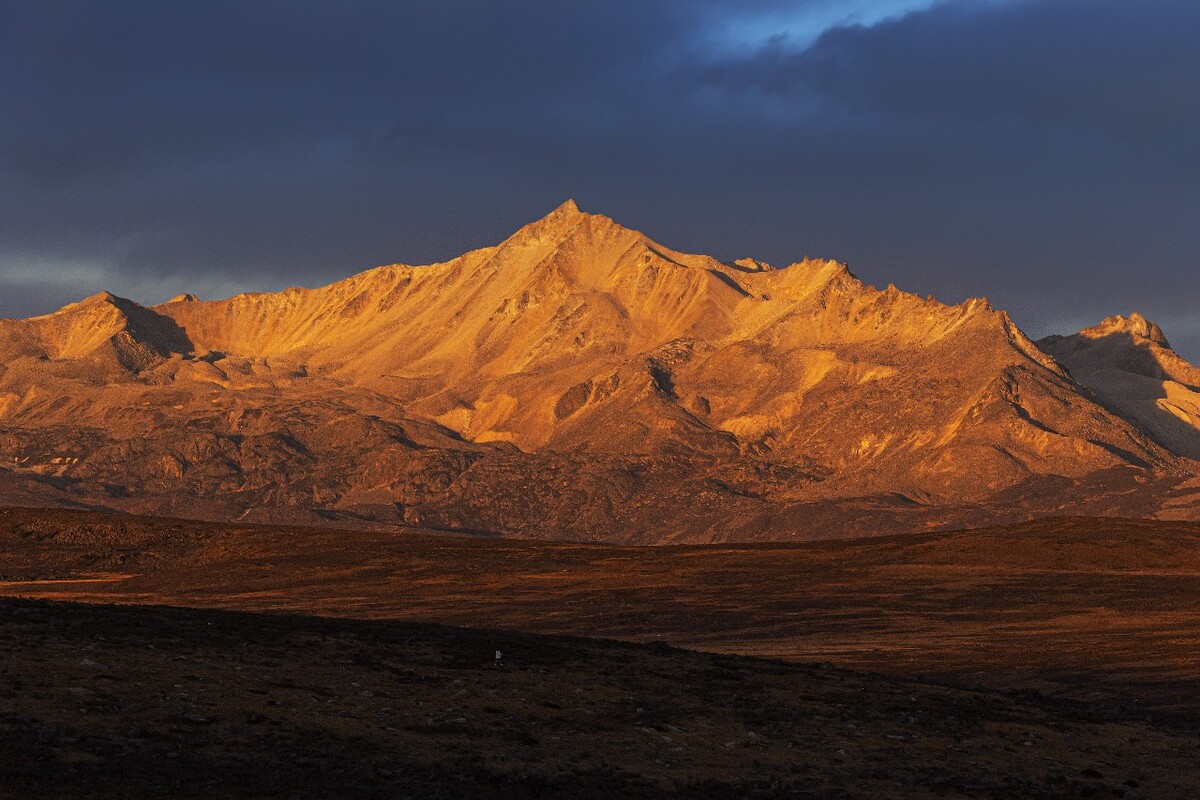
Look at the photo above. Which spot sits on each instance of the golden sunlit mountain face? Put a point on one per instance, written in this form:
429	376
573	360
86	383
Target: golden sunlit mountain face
507	498
582	381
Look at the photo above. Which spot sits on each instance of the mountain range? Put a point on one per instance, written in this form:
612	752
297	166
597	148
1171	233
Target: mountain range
580	381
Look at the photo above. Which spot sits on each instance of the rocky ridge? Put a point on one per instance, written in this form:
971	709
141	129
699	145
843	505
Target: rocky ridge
582	381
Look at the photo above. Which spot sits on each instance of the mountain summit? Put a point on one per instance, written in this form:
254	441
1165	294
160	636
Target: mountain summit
1135	326
580	380
1127	363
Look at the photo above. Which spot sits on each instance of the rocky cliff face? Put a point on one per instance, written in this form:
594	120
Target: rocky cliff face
581	381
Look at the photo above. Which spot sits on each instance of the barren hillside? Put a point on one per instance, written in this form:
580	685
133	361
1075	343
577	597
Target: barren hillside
581	381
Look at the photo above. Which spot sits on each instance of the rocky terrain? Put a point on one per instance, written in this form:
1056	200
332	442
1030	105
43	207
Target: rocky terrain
580	381
154	702
1130	366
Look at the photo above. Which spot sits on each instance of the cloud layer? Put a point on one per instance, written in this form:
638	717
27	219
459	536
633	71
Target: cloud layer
1041	153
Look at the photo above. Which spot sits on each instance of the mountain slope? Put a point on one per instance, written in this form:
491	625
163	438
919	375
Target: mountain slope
578	380
551	337
1129	365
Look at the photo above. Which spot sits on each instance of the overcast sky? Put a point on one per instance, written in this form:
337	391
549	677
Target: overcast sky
1042	153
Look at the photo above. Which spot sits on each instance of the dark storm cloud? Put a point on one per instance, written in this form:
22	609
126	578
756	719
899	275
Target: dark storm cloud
1038	152
1125	70
294	139
1043	151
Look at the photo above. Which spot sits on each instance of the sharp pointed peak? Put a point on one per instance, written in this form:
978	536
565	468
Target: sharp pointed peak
568	206
563	222
568	212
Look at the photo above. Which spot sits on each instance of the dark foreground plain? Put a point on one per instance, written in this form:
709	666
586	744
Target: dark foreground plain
132	702
1101	611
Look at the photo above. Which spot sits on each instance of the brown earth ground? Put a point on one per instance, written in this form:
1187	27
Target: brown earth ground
139	702
1096	610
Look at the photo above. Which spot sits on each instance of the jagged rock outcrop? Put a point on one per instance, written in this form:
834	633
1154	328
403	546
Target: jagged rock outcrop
581	381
